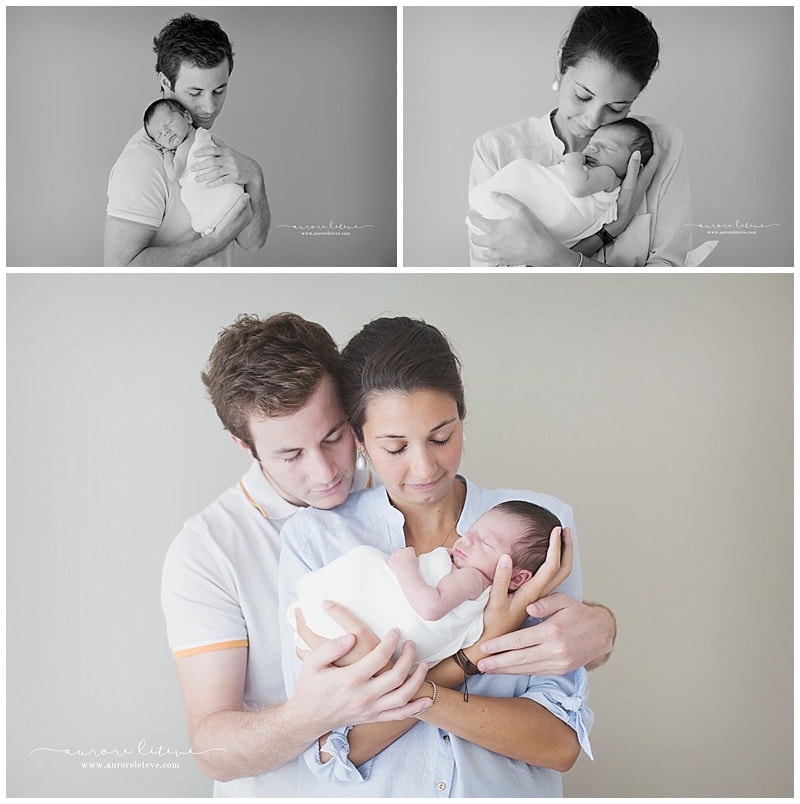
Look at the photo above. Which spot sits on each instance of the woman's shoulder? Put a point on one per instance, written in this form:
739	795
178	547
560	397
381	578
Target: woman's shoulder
520	139
359	503
481	500
668	135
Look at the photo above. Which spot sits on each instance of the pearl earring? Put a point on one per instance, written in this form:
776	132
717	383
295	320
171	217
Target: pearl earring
361	460
555	85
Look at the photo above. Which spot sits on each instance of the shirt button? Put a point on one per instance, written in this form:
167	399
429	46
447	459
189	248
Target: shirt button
441	786
446	738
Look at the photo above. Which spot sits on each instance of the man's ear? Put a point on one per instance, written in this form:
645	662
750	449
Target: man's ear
519	577
164	83
242	444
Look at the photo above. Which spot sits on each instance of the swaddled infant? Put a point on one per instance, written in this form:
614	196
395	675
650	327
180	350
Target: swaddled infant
170	127
577	197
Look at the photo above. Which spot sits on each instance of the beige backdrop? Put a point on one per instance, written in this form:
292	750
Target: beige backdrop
659	406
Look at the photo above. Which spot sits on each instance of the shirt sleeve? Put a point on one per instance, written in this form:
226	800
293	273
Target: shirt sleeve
198	597
484	166
566	697
137	187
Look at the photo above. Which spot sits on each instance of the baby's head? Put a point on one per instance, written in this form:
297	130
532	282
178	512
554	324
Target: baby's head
517	528
167	123
613	144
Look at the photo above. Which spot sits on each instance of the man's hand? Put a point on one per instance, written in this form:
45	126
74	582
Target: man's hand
237	217
574	635
221	164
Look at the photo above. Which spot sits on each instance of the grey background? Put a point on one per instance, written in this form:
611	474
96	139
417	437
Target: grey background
312	99
659	406
726	80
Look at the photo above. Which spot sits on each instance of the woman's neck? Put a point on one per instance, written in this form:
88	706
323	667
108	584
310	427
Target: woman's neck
431	526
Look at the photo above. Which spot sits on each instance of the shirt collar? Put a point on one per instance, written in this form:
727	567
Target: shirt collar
551	132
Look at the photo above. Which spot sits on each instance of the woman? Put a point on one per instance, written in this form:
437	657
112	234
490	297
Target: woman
606	60
505	735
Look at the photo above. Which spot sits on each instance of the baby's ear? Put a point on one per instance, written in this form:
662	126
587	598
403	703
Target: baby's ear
188	117
519	577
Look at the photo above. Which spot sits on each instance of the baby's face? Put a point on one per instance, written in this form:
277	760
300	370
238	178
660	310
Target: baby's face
611	147
481	547
168	127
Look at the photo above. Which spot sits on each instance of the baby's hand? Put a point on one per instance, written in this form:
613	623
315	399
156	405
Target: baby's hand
402	558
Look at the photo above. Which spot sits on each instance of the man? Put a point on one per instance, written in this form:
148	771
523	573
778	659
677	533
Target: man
146	223
273	384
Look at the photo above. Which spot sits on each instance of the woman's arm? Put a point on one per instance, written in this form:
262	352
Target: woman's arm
517	728
504	613
521	239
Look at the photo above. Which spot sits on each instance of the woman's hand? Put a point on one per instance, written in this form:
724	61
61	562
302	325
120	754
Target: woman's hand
520	239
633	188
506	612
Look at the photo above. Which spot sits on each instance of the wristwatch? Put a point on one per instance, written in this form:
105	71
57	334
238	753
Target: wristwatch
607	238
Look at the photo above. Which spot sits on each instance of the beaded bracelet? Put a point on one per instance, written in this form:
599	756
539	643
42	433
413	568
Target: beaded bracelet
470	669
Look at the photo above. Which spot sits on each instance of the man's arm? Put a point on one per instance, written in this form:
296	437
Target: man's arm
229	742
432	603
254	235
574	635
127	244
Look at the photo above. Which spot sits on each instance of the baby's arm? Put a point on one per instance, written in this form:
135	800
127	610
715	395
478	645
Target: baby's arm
582	181
432	603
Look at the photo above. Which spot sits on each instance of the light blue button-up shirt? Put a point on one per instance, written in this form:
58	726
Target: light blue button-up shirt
425	761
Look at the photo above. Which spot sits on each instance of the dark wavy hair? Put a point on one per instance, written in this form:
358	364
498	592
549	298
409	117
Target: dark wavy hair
396	354
191	39
619	35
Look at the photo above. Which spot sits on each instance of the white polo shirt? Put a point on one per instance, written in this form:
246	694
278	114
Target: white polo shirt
139	191
220	590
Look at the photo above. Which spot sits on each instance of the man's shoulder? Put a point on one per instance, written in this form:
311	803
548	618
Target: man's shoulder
225	517
140	150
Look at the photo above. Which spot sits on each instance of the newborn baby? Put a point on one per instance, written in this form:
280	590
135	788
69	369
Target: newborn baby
170	127
576	197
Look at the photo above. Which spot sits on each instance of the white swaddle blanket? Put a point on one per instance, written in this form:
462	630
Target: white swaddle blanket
543	190
363	582
207	206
